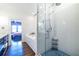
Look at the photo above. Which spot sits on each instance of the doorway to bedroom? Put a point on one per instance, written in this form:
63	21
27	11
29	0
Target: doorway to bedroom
16	30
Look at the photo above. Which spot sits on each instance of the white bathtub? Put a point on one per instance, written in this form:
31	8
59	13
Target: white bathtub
32	42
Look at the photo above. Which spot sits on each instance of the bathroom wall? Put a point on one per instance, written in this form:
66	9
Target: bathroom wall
67	30
29	25
4	26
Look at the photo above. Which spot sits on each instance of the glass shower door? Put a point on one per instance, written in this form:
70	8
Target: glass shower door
47	40
45	32
41	28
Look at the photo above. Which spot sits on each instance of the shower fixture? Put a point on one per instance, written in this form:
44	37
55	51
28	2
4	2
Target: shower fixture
58	4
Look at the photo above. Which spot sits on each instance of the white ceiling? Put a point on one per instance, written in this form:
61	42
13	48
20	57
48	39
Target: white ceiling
17	9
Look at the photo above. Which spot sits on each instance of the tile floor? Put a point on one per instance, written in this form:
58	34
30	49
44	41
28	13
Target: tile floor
54	53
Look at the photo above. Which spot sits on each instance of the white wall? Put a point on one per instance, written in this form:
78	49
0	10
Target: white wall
67	30
29	25
4	26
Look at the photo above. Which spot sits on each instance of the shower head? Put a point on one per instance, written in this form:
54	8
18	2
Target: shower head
58	4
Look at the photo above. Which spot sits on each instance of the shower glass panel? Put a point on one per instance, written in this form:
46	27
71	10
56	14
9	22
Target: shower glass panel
41	28
45	30
47	43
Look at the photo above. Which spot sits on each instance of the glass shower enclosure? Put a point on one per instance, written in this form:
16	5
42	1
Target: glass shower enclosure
47	43
45	27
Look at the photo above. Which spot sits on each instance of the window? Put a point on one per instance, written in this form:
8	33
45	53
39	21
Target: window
16	27
19	29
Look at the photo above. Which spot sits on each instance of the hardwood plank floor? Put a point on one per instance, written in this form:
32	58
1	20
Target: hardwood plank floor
27	50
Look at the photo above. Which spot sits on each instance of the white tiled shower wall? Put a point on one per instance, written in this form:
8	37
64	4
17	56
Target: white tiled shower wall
67	30
65	22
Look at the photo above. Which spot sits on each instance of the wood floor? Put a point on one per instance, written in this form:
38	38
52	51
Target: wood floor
27	50
20	49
